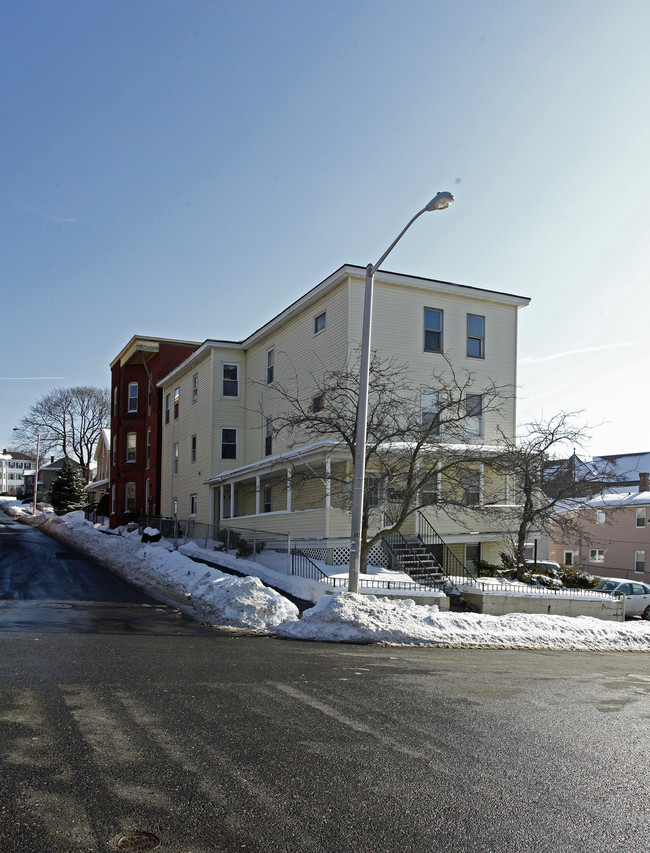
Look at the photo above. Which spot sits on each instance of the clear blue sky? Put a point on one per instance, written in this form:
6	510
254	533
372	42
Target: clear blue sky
186	168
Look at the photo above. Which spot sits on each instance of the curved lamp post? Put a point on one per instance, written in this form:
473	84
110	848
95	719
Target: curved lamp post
439	202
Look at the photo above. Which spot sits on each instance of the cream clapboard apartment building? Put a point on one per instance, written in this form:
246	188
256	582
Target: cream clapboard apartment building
220	461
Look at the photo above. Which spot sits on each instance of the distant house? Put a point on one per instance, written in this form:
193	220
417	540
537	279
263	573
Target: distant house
616	534
47	474
13	466
99	485
135	424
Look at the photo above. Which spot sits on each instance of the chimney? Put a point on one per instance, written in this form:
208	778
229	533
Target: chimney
643	482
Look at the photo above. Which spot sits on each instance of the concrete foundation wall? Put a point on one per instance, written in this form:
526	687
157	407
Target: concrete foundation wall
498	605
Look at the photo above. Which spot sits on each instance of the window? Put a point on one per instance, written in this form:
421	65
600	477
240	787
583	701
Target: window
149	397
167	407
474	416
600	516
475	336
112	500
270	364
431	411
597	555
268	437
432	330
267	498
177	399
129	497
148	447
319	323
174	507
639	561
114	450
568	558
230	374
373	490
193	449
175	458
195	387
640	517
472	555
317	404
147	495
132	405
430	492
472	488
192	505
131	443
228	443
114	402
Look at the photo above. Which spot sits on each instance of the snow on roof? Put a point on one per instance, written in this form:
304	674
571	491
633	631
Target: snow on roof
625	466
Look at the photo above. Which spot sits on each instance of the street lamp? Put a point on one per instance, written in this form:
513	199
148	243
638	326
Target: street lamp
439	202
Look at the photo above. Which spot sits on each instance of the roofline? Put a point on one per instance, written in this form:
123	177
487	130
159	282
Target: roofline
196	356
355	271
147	339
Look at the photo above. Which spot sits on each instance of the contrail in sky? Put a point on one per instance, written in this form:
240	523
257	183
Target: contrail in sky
533	360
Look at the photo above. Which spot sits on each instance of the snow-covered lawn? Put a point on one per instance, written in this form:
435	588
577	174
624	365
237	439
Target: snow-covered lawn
247	604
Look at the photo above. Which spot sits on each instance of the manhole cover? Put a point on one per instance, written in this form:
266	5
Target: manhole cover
135	841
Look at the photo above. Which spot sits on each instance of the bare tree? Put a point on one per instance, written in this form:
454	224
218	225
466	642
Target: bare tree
547	488
69	420
417	435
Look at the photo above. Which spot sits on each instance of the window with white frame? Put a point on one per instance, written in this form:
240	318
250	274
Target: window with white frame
474	416
597	555
228	443
177	400
432	330
230	380
268	436
475	336
192	505
430	491
193	449
640	516
195	387
431	411
132	405
129	497
148	448
270	366
167	407
175	458
472	488
600	516
319	323
131	444
568	558
639	561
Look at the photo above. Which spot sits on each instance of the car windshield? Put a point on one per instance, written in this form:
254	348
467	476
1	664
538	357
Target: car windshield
607	585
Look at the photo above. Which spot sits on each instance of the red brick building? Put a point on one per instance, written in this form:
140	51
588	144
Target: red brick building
136	408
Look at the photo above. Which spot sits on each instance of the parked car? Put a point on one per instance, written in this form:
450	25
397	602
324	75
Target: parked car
543	564
637	595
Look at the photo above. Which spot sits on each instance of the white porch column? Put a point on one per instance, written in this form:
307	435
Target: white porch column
328	483
288	489
416	521
232	500
220	504
257	495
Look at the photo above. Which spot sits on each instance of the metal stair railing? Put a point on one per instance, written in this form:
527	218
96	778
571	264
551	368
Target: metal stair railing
303	567
427	572
454	569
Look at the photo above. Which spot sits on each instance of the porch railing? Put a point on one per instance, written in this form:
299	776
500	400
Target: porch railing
453	568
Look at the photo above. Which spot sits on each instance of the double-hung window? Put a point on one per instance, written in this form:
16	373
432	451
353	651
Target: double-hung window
167	407
432	330
131	444
600	516
639	561
474	416
640	516
268	437
114	402
228	443
319	323
195	387
193	449
270	366
317	404
175	458
230	380
132	405
193	505
148	448
472	488
431	412
267	498
475	336
129	497
177	400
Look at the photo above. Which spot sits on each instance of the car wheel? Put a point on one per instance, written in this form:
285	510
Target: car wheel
646	613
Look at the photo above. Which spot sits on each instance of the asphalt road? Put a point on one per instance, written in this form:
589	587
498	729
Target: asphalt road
216	742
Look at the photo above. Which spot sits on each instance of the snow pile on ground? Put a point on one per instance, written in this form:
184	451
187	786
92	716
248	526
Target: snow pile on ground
196	589
350	618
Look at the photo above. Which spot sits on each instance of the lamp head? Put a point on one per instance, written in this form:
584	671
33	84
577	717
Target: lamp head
440	201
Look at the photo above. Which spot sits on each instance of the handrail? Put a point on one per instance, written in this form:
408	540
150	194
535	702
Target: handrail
306	568
396	541
451	566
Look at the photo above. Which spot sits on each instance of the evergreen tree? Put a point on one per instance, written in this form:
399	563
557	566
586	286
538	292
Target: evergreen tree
67	488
